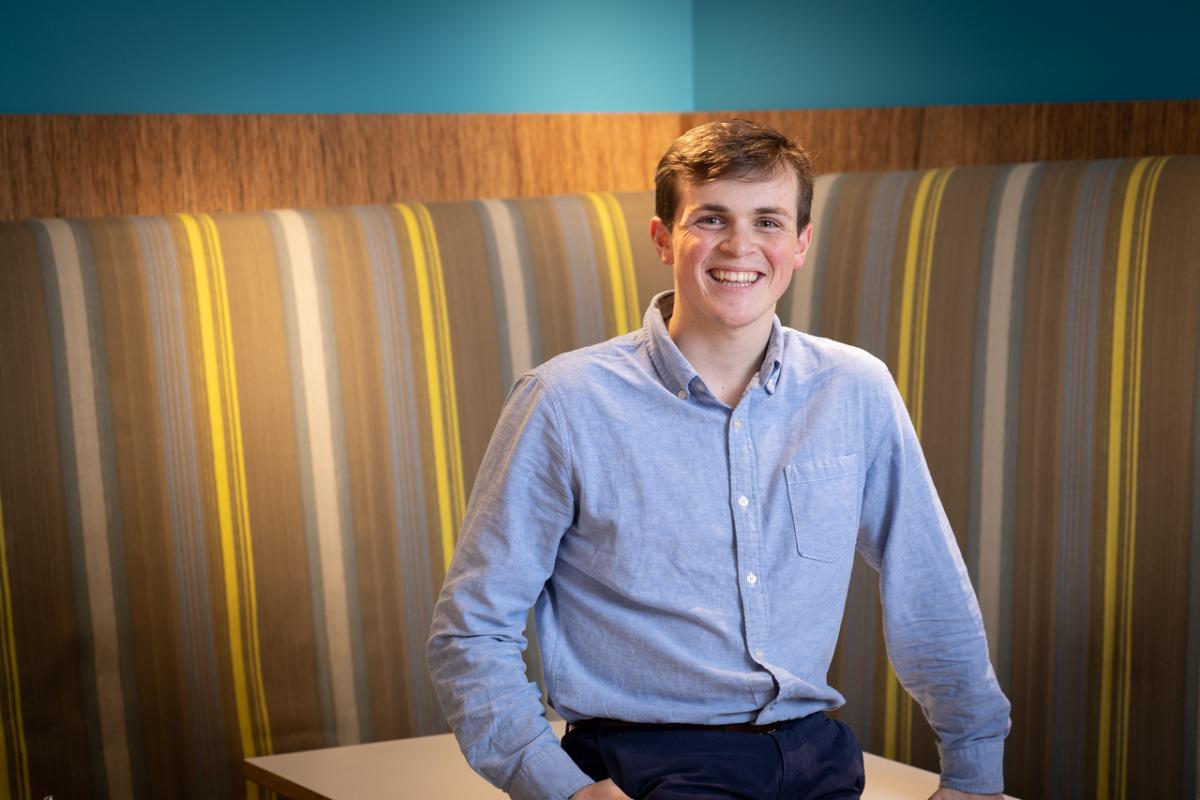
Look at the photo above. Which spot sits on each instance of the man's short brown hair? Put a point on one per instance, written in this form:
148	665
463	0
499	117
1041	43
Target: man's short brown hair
736	149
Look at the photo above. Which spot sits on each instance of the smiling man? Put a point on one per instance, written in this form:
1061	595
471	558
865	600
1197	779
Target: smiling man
681	507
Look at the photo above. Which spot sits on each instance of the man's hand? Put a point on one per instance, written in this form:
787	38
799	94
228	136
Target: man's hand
604	790
953	794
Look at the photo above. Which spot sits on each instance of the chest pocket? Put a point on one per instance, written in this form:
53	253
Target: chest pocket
826	502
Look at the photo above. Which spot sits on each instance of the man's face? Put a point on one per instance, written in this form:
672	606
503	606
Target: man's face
733	248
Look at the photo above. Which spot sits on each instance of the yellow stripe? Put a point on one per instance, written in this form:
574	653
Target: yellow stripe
446	358
17	780
629	279
1120	506
238	465
1129	510
620	304
913	298
224	417
922	317
916	402
443	410
908	291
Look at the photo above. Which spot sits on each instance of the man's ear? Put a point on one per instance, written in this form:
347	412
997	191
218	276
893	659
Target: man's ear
803	242
660	234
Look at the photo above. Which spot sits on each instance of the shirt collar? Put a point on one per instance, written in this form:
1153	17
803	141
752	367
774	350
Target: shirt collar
677	373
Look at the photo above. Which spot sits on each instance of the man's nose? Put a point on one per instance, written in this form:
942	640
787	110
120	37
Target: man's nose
736	242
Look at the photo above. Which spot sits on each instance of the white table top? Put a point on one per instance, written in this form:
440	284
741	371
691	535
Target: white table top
428	767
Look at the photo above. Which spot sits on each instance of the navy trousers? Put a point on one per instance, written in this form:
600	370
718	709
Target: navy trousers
805	759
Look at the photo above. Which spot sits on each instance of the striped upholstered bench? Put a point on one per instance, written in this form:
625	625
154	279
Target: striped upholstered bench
235	449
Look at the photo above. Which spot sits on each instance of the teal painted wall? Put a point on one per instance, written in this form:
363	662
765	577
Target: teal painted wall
863	53
357	56
468	56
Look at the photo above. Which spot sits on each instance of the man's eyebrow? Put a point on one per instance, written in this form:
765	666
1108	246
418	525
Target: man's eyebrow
760	210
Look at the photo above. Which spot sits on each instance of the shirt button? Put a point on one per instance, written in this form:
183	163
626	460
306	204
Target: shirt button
681	394
752	579
743	501
737	424
758	653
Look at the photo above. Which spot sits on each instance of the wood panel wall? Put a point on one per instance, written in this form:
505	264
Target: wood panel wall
103	165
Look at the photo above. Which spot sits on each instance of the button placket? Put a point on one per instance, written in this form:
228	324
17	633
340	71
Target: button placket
747	527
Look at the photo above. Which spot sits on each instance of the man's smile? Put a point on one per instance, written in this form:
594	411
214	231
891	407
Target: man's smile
734	278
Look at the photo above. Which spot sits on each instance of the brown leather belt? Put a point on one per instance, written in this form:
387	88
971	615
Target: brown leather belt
602	724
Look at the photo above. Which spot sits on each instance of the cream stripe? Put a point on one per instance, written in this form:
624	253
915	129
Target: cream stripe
608	236
323	466
995	400
93	510
512	285
16	780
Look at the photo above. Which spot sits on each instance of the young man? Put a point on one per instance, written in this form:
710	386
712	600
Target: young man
681	507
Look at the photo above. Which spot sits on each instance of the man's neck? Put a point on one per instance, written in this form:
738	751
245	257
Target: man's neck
725	360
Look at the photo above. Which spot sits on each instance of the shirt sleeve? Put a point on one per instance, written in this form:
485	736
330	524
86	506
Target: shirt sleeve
521	506
932	623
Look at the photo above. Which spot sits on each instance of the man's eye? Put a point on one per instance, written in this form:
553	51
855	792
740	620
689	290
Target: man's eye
768	223
710	220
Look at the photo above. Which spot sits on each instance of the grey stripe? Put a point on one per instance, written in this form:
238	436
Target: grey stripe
134	751
878	261
504	339
1077	470
404	447
857	651
524	265
581	260
1011	406
71	502
208	746
979	374
93	510
800	306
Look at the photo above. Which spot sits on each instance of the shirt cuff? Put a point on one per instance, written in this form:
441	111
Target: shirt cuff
549	774
976	769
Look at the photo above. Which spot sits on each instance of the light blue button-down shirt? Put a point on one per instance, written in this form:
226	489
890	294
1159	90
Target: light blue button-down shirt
689	562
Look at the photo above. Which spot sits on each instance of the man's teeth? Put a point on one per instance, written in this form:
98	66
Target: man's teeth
733	278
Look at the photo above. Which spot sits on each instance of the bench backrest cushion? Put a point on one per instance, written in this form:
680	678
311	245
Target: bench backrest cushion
235	449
